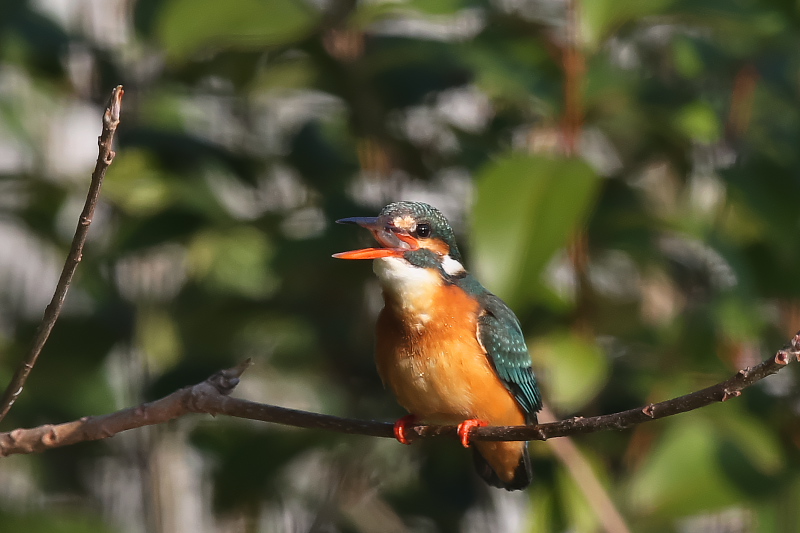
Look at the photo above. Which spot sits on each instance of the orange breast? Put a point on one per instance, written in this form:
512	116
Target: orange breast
429	356
435	366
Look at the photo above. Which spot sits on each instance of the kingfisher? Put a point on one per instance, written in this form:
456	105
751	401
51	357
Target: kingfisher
451	351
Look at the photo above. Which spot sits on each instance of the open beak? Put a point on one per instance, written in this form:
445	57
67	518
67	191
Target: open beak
394	241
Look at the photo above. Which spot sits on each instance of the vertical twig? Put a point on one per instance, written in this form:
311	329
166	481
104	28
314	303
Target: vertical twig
599	500
574	65
742	97
104	159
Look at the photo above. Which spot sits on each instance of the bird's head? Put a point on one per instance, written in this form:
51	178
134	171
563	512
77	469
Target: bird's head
413	231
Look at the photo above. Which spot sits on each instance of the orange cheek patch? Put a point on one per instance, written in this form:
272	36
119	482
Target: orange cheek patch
437	246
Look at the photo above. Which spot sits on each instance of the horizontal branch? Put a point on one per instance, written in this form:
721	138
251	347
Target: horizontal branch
211	397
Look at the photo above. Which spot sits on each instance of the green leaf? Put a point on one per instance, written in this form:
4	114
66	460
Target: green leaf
687	59
135	184
738	318
189	26
159	338
699	122
601	17
575	369
234	261
52	521
527	208
753	439
682	475
437	7
542	498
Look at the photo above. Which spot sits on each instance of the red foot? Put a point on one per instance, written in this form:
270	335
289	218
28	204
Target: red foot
401	428
466	427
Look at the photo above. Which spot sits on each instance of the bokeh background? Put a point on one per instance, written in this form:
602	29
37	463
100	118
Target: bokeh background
625	173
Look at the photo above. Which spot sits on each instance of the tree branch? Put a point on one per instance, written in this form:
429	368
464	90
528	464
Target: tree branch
211	397
53	309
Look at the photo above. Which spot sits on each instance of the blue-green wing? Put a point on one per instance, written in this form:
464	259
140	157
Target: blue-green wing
501	335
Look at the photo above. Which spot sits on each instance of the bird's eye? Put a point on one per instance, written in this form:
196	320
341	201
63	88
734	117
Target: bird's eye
423	230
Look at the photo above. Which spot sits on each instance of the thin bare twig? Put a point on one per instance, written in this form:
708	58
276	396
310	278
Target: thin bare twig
611	520
88	428
53	309
211	396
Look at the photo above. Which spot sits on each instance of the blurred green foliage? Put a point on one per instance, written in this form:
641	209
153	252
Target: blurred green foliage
655	258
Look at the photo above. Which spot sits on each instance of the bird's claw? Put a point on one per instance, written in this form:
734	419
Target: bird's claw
401	428
466	427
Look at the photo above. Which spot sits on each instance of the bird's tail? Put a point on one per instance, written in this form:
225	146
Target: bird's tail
521	477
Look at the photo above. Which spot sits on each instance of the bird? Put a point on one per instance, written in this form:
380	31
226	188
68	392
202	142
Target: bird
450	351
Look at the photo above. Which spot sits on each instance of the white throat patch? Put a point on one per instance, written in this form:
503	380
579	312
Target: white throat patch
412	287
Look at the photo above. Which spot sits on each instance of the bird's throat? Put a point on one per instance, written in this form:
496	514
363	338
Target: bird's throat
410	289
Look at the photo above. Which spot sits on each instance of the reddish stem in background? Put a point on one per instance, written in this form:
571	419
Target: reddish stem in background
574	64
742	96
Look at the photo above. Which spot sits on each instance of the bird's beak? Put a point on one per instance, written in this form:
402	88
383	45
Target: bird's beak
395	241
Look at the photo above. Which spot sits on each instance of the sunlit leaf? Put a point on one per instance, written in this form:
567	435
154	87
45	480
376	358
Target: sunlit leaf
699	121
573	369
188	26
739	320
527	208
159	338
135	184
753	439
437	7
600	17
682	475
543	500
235	261
687	59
